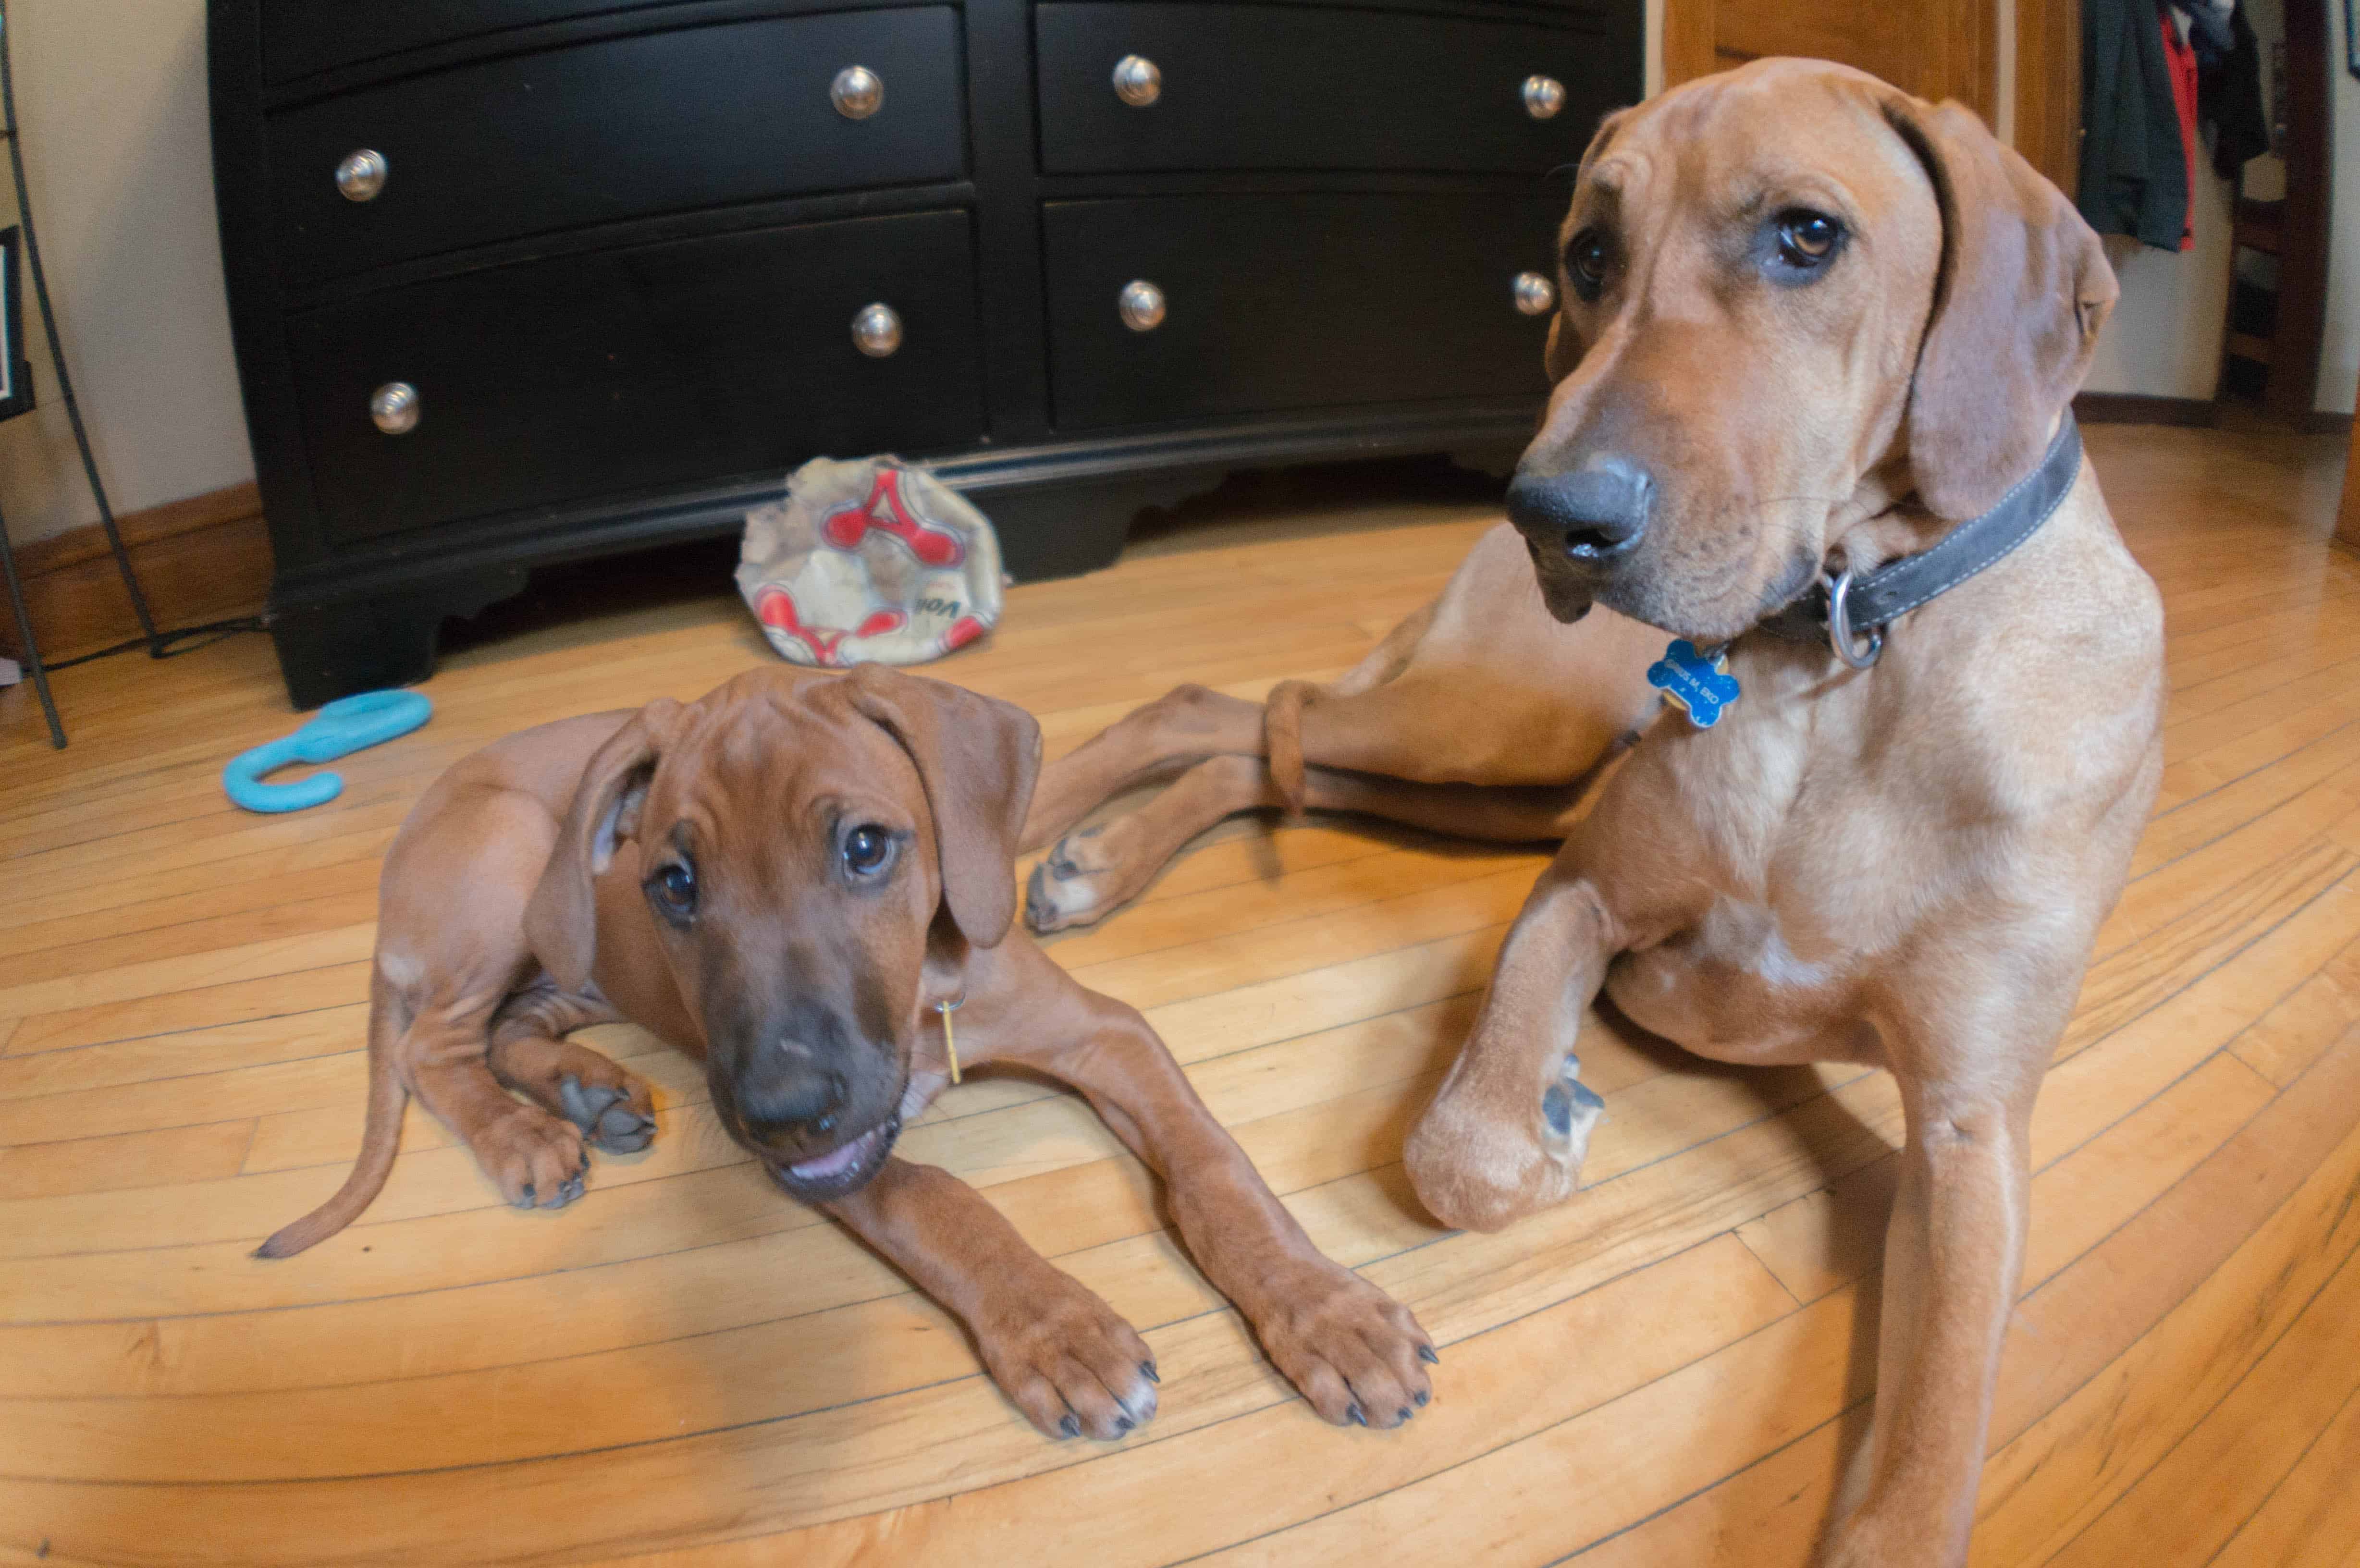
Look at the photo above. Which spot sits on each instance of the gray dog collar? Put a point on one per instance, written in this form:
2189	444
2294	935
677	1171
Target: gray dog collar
1851	612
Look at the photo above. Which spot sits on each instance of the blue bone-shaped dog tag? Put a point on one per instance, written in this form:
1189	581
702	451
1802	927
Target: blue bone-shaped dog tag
346	726
1701	686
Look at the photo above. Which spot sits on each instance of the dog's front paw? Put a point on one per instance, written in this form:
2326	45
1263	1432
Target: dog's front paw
533	1158
618	1116
1357	1354
1069	1362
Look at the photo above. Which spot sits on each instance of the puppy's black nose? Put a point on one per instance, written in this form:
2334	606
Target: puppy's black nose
792	1101
1595	513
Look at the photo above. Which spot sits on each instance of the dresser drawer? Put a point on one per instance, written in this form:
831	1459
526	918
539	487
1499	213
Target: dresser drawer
598	374
300	36
1310	87
660	122
1292	301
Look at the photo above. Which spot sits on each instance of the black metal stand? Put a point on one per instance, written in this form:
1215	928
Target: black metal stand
33	666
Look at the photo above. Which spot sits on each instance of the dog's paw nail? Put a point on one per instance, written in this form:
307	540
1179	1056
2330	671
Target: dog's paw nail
1355	1417
1147	1370
1123	1423
1071	1426
571	1191
1420	1398
524	1199
1426	1353
1404	1414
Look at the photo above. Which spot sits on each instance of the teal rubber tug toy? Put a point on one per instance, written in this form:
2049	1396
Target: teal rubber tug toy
346	726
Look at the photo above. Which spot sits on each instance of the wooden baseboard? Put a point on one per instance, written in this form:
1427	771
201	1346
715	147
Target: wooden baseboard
203	559
2320	423
2138	408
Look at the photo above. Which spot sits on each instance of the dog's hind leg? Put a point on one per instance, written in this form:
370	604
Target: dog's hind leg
1189	724
1185	724
1093	872
530	1054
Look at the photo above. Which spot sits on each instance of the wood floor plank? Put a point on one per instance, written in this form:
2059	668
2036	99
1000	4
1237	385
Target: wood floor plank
2313	1513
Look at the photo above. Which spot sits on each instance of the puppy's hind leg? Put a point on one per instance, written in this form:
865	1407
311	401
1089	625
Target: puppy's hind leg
530	1054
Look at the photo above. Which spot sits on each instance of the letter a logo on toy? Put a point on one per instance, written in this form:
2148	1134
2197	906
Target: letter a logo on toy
1701	686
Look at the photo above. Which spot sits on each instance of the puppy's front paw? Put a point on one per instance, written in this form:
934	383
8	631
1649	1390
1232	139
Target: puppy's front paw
1066	1360
1356	1352
533	1158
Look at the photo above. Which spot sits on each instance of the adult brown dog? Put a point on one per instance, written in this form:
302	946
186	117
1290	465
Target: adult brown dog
1810	327
785	879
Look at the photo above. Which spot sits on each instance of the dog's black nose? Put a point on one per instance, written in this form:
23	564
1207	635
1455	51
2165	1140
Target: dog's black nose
1595	513
792	1101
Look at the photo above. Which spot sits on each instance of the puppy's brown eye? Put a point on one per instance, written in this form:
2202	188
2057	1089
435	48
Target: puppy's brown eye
1586	259
867	850
673	890
1807	239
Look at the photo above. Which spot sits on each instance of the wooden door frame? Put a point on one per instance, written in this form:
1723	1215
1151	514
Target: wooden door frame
2048	71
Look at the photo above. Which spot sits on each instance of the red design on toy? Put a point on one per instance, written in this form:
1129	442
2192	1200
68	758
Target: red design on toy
884	513
963	630
777	611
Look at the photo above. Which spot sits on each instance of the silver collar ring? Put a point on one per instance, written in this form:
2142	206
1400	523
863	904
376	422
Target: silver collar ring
1840	637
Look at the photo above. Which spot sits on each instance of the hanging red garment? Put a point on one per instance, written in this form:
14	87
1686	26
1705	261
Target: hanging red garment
2179	63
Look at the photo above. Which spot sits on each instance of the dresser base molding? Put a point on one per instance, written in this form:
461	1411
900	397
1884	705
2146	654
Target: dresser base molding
372	619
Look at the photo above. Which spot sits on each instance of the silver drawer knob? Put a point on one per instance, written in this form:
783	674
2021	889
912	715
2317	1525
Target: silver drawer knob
857	92
1137	82
877	330
1536	295
362	175
1544	97
393	408
1142	305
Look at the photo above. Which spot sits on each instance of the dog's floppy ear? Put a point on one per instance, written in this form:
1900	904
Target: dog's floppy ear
976	759
561	921
2023	289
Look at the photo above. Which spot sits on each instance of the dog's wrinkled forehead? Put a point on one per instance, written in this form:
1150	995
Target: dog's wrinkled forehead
1729	149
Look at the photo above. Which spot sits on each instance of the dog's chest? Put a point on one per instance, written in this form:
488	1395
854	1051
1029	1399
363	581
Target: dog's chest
1780	825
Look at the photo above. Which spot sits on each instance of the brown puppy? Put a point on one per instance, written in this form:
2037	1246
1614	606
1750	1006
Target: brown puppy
786	878
1810	325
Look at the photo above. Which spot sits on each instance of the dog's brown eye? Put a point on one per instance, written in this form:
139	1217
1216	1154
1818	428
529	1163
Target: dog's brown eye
1586	261
867	850
673	888
1806	239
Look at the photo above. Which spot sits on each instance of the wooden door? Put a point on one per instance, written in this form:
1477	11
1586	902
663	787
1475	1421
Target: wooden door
1936	48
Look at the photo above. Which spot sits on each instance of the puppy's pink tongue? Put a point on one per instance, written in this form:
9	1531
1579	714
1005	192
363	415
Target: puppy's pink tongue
834	1163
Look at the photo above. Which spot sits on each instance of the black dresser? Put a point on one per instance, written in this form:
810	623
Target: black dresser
520	281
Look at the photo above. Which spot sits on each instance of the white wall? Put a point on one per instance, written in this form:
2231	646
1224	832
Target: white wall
111	105
2339	357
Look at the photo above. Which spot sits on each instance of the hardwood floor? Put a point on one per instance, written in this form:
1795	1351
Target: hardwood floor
686	1368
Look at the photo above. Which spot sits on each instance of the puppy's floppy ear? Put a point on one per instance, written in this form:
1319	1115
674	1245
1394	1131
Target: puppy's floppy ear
2023	289
561	921
976	759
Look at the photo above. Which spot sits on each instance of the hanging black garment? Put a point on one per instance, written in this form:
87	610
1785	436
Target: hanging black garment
2229	97
2133	170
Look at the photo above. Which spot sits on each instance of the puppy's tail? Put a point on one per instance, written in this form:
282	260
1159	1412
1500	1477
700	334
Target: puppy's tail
388	1096
1282	738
